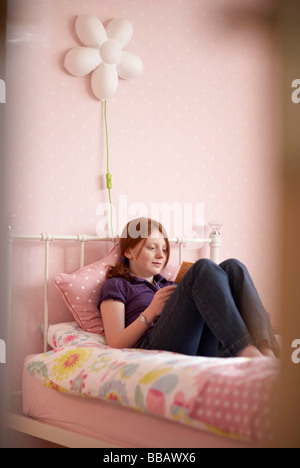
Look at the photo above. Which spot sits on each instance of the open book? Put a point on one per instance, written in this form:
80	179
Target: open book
185	266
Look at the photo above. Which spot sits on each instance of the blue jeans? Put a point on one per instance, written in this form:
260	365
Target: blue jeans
215	311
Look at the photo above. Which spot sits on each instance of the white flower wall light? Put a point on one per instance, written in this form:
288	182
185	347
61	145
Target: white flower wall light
102	55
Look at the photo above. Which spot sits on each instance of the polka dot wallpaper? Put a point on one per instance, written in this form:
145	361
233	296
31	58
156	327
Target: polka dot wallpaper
199	125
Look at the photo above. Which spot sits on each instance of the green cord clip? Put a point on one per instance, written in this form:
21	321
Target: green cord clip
108	180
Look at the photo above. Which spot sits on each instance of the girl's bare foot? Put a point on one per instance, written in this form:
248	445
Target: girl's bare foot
250	351
266	350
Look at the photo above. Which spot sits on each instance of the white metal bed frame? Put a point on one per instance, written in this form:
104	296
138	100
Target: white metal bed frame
45	431
214	242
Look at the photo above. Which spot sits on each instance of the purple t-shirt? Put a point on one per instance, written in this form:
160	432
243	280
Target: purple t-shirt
136	295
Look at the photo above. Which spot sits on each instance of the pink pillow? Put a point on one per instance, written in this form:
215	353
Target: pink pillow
81	290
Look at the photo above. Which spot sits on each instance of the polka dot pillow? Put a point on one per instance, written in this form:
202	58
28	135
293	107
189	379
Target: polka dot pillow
81	290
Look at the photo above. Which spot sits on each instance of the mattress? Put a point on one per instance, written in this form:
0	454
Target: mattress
140	398
113	424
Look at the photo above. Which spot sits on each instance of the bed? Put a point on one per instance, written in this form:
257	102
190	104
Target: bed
79	392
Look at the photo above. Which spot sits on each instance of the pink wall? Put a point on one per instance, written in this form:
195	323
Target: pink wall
197	126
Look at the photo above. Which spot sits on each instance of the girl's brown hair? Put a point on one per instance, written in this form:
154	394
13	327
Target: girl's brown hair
136	231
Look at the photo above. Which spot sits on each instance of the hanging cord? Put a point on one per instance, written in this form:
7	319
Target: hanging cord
108	174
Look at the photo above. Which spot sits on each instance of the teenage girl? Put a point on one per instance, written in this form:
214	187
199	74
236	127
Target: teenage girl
214	311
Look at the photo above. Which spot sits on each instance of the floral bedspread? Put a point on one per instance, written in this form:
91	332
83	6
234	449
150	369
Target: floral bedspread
230	397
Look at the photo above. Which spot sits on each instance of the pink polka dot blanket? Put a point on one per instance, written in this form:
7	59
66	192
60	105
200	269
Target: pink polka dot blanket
232	397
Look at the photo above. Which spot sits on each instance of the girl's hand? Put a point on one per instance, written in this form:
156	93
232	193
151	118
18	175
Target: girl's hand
159	301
